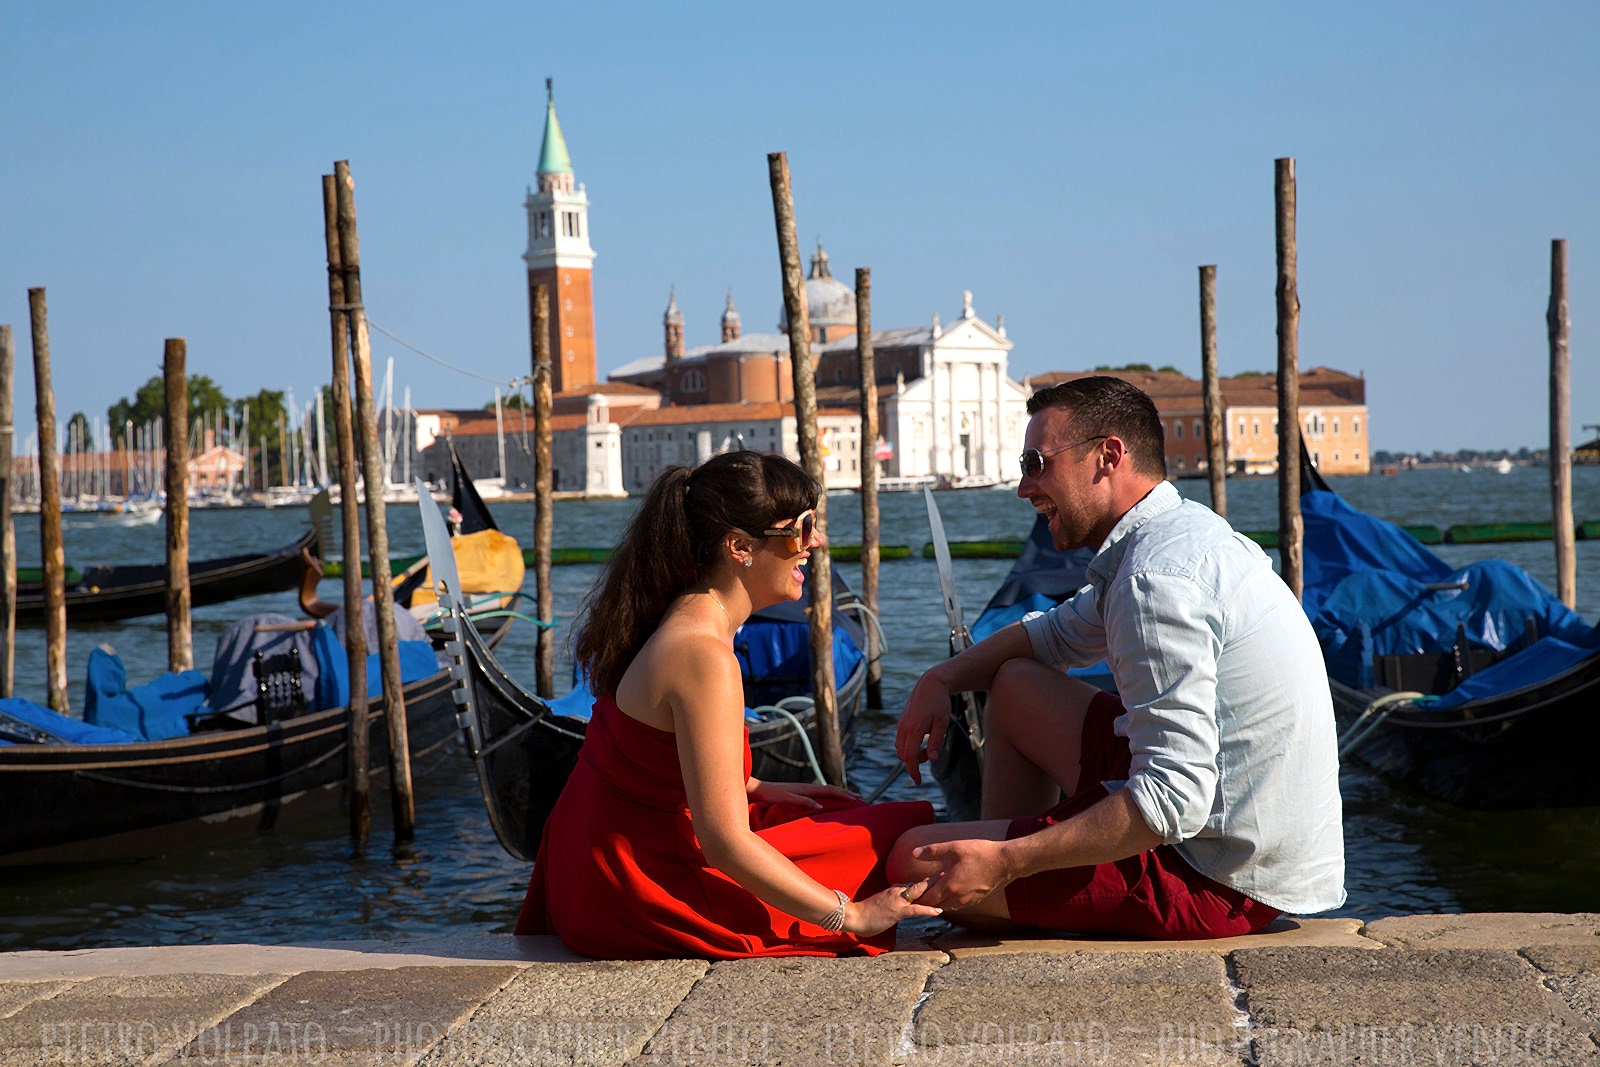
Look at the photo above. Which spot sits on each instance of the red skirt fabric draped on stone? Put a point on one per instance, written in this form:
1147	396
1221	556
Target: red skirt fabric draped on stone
620	874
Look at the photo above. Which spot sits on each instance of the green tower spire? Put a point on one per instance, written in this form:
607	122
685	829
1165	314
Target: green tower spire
553	158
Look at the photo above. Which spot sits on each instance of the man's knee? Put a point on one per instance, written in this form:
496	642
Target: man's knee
1013	691
901	867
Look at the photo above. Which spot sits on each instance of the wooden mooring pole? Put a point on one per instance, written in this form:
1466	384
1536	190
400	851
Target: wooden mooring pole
1290	527
8	533
869	481
394	700
1216	430
1559	323
543	492
805	416
180	641
52	552
355	630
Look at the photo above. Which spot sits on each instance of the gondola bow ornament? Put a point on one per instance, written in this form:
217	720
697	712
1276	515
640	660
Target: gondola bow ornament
960	638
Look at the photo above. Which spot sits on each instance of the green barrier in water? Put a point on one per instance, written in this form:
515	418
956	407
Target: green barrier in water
1497	533
35	576
979	549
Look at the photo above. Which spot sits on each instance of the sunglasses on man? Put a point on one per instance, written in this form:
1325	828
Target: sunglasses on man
1032	461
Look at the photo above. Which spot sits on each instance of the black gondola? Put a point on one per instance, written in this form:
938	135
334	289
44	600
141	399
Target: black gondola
1511	747
524	749
83	803
113	592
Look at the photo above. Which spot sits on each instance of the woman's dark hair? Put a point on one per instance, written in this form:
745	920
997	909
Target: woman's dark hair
673	542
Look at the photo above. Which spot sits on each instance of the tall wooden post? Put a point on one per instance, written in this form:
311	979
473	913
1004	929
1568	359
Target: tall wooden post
394	700
53	555
180	643
355	635
1290	527
1216	429
805	418
543	517
869	479
8	533
1559	323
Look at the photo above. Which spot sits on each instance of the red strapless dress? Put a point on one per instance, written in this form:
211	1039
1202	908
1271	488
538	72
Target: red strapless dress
620	874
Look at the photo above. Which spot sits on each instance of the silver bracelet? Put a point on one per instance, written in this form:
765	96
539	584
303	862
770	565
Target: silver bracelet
833	922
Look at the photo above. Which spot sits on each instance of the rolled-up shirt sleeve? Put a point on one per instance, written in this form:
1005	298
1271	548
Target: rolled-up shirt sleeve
1070	634
1170	635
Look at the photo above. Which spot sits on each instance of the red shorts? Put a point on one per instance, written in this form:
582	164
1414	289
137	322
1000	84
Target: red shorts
1152	895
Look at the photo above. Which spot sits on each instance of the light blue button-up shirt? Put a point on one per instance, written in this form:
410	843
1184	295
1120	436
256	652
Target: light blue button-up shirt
1229	717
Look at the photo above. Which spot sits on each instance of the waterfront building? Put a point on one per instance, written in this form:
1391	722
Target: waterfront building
1333	414
947	409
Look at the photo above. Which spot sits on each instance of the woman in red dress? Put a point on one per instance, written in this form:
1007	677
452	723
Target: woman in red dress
661	844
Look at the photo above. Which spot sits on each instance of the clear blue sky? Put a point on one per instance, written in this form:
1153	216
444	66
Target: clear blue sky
1070	166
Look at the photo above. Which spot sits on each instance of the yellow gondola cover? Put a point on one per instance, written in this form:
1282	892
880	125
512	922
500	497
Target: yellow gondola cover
489	562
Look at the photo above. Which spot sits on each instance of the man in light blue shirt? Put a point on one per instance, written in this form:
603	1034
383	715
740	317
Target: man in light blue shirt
1202	799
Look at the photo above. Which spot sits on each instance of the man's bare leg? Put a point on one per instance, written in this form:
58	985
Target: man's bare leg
989	915
1032	741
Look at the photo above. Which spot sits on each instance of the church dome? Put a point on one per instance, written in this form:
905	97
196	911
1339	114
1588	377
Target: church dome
829	302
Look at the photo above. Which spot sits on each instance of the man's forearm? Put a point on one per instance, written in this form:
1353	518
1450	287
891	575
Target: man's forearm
1111	830
974	669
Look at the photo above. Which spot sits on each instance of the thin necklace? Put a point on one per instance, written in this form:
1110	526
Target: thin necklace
718	602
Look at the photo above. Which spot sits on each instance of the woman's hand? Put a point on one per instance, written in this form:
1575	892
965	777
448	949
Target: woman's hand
799	794
877	913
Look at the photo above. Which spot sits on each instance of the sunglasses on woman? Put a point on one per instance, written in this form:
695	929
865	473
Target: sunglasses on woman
801	533
1032	461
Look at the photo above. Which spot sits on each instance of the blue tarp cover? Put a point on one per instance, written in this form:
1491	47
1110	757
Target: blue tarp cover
765	649
1042	577
151	712
1367	592
62	726
417	661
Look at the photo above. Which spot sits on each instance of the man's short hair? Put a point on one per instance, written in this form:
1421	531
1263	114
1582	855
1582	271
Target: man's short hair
1104	405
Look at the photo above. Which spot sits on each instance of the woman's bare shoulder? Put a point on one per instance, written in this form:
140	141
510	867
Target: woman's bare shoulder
687	644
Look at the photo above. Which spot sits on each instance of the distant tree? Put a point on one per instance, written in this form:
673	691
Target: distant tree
265	408
516	402
1255	374
79	437
149	403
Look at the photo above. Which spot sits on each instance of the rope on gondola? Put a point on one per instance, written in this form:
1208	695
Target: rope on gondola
799	704
1378	711
237	787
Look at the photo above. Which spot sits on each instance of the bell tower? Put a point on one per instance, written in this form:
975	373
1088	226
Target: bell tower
559	256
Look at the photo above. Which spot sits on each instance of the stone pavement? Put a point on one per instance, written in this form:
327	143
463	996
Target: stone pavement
1421	991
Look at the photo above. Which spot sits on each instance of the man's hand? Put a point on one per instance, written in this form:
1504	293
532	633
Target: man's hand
926	715
969	871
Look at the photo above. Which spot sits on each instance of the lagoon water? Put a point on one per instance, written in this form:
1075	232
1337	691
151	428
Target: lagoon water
304	881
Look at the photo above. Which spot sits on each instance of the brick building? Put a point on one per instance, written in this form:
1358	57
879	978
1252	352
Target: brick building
1333	414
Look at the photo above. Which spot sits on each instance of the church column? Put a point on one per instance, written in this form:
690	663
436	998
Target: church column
956	416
